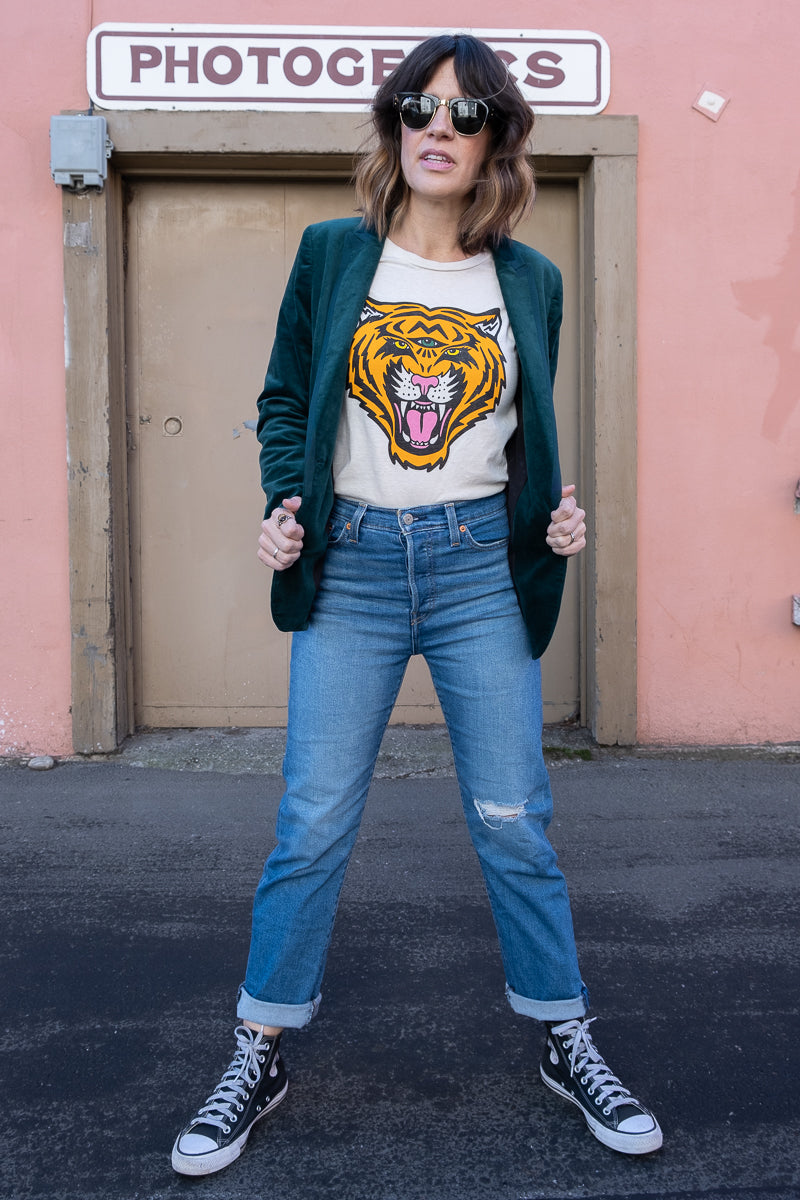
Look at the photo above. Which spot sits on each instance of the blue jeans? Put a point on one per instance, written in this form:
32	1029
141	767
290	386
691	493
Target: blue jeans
435	581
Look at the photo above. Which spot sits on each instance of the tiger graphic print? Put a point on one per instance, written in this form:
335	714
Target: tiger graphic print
426	376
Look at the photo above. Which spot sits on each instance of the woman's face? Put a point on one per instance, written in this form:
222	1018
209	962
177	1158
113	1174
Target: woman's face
437	162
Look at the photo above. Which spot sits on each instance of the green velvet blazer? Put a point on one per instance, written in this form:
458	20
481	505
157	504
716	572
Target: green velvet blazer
303	392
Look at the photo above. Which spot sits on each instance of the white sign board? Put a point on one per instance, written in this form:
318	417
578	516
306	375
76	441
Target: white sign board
318	68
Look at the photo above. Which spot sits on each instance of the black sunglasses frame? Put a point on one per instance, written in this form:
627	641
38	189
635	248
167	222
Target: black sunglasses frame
455	120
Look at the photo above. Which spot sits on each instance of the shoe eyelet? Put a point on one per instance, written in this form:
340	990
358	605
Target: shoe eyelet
226	1128
606	1112
597	1100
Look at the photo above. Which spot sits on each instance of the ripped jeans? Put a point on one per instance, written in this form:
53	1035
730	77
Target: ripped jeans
434	581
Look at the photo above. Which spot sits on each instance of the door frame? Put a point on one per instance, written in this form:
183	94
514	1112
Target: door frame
598	152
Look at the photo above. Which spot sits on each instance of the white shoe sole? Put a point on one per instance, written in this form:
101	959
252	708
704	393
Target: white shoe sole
625	1143
215	1160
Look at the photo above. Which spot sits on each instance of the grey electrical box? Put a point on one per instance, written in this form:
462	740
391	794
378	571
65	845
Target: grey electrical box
79	151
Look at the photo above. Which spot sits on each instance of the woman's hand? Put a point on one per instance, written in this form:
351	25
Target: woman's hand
281	537
566	533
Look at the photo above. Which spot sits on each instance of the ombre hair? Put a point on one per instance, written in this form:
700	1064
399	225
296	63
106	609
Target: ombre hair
504	193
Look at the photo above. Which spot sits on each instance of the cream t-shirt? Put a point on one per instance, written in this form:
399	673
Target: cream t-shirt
429	405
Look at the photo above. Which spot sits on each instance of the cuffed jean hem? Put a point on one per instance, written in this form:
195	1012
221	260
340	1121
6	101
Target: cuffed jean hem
549	1010
279	1016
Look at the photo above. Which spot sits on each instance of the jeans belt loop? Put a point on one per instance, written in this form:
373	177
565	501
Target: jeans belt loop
452	524
355	523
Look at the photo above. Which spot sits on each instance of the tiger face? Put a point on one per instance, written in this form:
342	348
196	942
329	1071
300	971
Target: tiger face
426	376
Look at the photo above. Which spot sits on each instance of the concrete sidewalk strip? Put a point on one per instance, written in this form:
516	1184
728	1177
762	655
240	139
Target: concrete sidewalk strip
126	892
407	751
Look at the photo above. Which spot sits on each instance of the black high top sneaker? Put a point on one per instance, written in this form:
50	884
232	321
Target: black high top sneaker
252	1086
572	1066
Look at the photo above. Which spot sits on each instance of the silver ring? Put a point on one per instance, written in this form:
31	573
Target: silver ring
572	537
282	519
275	552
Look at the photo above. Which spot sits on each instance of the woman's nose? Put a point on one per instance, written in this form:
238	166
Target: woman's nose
441	123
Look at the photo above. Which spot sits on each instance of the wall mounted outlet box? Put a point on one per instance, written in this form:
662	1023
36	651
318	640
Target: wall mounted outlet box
79	150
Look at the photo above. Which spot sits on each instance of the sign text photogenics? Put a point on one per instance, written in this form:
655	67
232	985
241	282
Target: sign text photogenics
317	68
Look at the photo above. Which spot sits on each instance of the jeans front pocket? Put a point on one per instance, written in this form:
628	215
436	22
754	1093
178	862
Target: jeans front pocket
489	532
338	529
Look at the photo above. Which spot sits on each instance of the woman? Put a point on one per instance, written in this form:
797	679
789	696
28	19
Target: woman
406	417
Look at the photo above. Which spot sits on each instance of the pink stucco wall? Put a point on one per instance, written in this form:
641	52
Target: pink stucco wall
719	349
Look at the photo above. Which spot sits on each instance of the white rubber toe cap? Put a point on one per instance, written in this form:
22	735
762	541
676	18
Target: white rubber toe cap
196	1143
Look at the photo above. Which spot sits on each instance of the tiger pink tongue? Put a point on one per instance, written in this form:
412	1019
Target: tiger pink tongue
421	424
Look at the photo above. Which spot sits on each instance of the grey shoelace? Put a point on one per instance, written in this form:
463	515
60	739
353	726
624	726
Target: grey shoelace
587	1063
236	1084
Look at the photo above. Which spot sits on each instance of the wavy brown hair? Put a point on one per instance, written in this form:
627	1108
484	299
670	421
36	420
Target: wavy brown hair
504	193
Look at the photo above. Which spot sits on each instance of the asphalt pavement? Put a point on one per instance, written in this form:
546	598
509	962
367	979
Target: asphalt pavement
126	889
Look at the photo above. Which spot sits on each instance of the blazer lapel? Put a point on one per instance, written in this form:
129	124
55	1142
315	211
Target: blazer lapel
353	268
521	295
539	451
358	260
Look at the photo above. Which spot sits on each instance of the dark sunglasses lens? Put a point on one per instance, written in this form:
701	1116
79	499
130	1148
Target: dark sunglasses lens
416	110
468	116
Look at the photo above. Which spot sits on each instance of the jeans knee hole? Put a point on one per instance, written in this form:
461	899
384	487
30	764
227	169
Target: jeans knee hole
495	815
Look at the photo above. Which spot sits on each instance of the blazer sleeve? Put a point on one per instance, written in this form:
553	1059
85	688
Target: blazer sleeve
284	401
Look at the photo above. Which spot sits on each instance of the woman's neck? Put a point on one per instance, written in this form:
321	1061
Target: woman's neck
432	234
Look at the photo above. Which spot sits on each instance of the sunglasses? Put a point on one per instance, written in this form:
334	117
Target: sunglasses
417	110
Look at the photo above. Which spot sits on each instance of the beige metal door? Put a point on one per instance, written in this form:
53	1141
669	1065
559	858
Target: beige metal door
207	264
